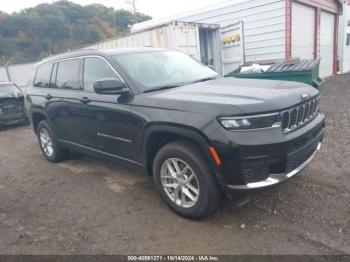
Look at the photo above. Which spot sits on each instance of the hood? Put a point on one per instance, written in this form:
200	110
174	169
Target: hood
11	97
245	95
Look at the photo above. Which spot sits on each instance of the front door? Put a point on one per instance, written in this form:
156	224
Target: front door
107	124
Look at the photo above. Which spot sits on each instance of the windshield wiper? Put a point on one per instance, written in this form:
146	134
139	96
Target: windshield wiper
203	79
177	85
161	88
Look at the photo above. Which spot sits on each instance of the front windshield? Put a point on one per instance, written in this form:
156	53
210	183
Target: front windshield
162	69
8	88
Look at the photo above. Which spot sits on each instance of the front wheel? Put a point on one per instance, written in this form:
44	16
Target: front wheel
185	180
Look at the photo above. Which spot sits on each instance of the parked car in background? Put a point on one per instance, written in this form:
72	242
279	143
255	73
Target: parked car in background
197	133
11	105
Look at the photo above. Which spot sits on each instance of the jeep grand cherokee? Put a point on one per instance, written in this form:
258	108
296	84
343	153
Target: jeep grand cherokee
198	134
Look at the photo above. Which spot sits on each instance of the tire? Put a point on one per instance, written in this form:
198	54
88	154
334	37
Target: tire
186	153
51	150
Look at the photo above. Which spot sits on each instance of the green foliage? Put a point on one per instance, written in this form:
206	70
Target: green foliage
37	32
123	19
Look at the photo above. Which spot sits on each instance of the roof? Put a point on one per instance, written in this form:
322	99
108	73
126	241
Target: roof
163	21
85	52
183	16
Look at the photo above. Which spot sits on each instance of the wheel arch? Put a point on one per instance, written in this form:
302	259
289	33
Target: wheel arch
38	115
157	136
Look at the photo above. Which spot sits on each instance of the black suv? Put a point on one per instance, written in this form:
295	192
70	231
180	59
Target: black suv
198	134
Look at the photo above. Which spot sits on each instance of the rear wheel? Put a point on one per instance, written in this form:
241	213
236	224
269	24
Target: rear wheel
185	180
48	143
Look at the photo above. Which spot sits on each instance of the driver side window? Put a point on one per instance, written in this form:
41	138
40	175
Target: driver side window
96	69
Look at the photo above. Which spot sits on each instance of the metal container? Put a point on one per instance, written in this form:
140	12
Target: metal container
304	71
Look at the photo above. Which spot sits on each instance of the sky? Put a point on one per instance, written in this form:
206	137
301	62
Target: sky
154	8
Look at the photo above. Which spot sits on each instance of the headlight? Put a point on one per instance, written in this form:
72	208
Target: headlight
250	122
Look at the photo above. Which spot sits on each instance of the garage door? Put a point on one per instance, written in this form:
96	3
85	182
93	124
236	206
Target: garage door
327	43
303	31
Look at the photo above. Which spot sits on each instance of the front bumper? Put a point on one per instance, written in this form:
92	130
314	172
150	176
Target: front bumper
12	119
275	179
261	159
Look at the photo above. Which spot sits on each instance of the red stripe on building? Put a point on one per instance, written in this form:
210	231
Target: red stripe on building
289	29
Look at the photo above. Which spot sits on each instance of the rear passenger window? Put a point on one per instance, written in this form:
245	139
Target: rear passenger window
96	69
43	74
68	74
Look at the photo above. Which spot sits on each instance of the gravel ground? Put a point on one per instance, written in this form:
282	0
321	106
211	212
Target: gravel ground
89	206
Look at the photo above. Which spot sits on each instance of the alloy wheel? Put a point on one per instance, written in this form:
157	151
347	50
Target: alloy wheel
46	142
180	182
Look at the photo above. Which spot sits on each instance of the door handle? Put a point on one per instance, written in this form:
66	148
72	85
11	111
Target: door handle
48	96
85	100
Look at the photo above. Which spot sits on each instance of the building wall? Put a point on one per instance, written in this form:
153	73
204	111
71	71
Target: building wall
344	29
264	26
19	74
3	74
321	8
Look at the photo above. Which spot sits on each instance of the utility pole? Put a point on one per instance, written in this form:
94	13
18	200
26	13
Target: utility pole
133	5
6	68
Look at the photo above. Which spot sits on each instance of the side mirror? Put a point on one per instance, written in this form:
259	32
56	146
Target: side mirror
110	86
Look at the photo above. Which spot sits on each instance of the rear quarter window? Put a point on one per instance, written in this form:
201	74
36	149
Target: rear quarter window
43	75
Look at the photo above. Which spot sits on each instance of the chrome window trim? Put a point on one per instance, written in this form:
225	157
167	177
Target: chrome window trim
79	57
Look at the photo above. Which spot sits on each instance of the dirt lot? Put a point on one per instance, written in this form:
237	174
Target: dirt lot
88	206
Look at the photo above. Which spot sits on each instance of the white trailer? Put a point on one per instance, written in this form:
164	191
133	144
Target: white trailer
220	48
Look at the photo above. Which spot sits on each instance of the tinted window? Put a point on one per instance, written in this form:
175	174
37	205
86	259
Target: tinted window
68	74
42	78
96	69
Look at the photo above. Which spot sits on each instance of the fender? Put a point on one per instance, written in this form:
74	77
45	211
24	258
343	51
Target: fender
185	132
39	110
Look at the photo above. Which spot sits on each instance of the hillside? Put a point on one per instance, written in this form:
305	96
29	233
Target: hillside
47	29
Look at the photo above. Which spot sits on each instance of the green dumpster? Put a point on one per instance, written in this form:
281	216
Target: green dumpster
304	71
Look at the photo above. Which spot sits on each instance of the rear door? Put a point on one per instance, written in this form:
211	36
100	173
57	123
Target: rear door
62	105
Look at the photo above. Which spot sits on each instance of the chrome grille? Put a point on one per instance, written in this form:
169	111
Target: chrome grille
299	115
301	111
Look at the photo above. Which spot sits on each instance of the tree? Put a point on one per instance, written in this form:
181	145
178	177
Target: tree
93	34
103	26
124	18
3	15
45	29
